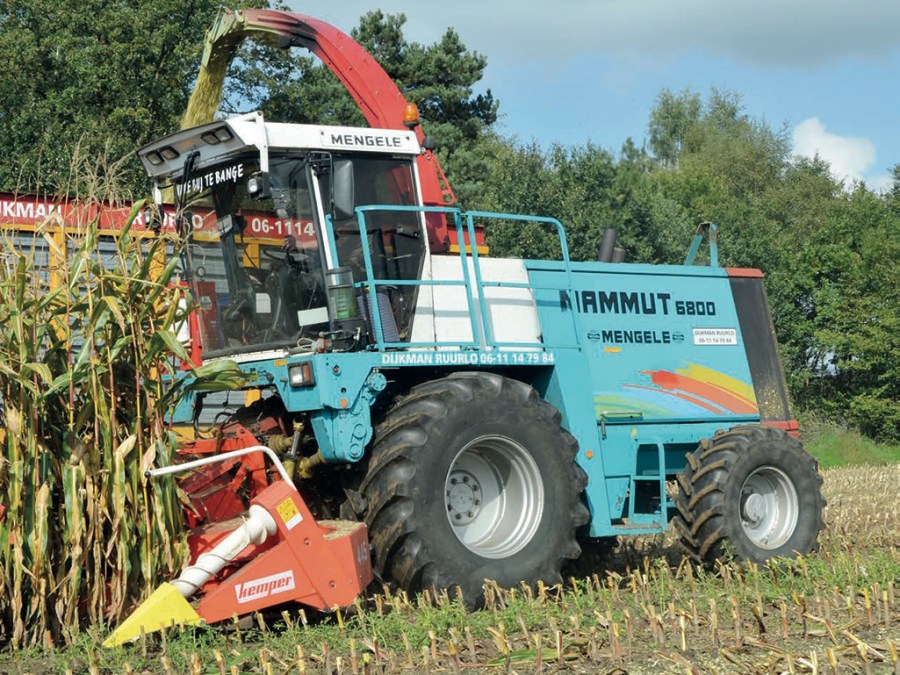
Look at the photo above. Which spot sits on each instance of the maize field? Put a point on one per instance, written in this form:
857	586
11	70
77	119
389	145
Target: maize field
88	349
85	344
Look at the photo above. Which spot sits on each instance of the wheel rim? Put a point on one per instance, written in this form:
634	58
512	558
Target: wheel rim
494	497
769	507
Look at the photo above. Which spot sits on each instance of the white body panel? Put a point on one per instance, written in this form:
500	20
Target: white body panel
442	312
251	132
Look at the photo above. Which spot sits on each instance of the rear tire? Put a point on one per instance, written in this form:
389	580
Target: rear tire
752	492
471	477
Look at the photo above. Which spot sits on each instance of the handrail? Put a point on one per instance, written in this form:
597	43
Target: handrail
215	459
480	283
482	334
712	230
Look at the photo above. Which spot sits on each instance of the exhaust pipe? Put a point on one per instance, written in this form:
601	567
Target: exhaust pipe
607	246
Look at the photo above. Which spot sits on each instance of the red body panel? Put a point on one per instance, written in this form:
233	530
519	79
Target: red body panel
215	490
320	565
744	272
791	427
376	94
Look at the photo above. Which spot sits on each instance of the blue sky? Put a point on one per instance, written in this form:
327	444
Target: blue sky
572	72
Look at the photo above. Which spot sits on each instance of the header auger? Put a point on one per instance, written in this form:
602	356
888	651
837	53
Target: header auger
274	554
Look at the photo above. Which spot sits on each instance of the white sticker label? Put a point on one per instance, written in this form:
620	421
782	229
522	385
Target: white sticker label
450	358
263	588
263	303
289	513
310	317
715	336
369	139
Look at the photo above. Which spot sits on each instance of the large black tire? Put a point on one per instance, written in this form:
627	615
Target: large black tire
471	477
752	493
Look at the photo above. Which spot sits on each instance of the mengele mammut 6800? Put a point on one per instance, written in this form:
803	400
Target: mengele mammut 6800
465	417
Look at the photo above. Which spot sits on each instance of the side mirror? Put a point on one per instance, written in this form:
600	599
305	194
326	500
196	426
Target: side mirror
259	186
343	194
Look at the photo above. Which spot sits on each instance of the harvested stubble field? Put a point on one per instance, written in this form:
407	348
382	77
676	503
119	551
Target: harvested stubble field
650	612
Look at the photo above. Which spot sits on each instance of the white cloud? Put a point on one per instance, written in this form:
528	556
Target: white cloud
849	157
880	184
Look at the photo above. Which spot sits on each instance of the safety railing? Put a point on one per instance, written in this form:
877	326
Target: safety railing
712	233
479	316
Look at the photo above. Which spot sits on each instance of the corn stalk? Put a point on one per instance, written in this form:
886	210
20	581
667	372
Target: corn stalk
82	416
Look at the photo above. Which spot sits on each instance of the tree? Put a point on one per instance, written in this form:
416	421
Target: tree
98	80
95	78
518	182
848	270
827	250
895	186
670	120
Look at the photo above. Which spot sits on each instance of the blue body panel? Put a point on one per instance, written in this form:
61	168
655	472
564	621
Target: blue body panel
657	347
642	361
659	365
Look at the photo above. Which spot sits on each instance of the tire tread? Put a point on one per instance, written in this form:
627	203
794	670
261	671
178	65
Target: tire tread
399	554
702	521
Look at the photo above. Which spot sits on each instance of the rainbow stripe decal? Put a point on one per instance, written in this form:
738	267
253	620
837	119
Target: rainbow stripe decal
693	391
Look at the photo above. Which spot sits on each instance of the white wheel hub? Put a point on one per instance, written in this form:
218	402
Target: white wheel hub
754	508
494	496
463	498
769	507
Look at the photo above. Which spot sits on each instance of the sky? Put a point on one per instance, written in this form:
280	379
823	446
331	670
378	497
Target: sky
572	72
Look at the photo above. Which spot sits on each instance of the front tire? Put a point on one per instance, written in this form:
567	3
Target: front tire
471	477
752	492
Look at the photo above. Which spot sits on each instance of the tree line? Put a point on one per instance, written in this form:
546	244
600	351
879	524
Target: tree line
88	82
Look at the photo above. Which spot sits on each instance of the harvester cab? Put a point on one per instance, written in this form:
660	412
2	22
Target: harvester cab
275	244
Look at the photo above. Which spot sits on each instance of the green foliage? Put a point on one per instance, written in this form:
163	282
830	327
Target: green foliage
588	191
103	77
834	446
525	180
82	420
848	299
670	121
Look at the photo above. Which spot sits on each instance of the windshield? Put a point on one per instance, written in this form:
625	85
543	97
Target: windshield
255	264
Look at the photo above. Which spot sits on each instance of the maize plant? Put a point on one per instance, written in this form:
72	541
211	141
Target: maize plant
87	358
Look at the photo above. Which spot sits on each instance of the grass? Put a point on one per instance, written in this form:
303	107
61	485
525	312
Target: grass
842	448
834	445
649	612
